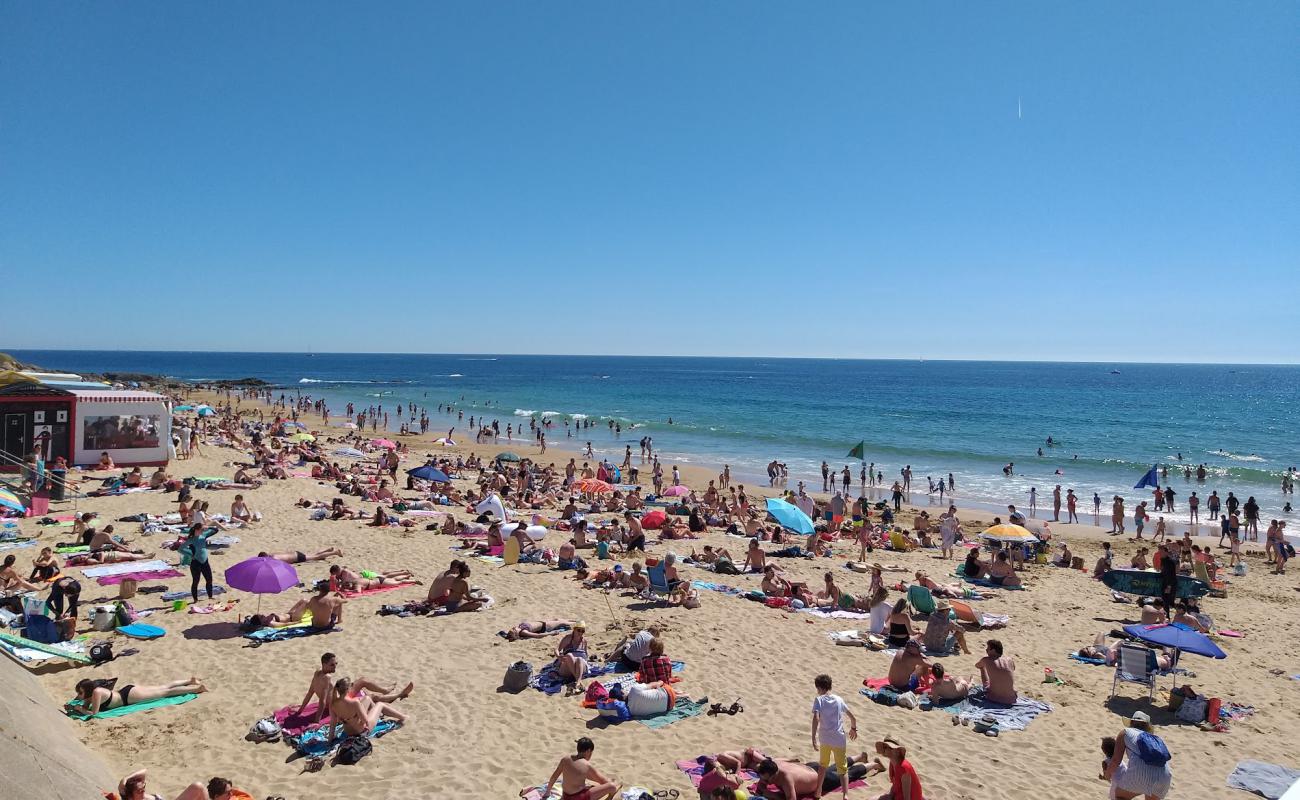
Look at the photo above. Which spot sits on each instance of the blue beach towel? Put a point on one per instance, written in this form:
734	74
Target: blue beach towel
1096	662
1008	718
280	634
682	709
316	743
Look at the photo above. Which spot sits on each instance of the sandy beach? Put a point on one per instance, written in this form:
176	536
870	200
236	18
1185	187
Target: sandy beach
466	738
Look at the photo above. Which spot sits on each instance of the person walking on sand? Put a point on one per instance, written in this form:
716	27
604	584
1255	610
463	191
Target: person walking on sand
579	779
828	712
1071	507
1056	503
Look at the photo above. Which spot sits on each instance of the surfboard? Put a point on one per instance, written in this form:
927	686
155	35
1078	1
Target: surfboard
1147	584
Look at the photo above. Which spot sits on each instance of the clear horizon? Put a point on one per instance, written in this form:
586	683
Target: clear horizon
651	355
1106	183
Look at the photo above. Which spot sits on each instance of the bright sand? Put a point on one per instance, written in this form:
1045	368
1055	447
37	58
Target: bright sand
467	739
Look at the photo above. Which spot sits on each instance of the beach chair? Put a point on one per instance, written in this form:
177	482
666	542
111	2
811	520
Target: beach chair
920	599
1217	588
658	581
1136	664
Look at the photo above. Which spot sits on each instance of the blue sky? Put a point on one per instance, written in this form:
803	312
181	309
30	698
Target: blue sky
833	179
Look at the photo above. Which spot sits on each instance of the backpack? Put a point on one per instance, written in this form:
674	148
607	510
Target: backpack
354	749
596	692
1151	749
101	652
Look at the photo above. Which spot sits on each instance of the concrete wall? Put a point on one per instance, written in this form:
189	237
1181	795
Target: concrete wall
40	752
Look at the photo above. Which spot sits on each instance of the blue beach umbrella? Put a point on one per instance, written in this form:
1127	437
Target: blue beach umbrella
1150	479
789	516
428	472
1179	637
183	408
206	411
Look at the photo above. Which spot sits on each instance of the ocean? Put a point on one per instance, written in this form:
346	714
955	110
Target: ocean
1110	422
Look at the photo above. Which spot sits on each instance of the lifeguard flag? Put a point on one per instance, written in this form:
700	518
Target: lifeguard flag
859	451
1148	479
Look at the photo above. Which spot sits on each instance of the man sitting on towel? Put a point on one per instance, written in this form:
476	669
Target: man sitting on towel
904	666
573	772
998	674
320	687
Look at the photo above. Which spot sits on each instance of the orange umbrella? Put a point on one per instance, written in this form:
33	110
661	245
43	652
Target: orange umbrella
593	486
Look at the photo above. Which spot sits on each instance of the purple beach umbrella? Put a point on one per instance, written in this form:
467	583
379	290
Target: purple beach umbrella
261	576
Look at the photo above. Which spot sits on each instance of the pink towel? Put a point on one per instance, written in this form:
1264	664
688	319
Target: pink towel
292	724
876	683
111	580
378	589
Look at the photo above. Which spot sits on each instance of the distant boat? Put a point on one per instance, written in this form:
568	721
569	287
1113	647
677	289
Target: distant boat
1114	372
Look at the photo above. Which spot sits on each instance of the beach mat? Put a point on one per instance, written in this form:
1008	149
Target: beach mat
378	589
28	651
293	724
316	743
1008	718
121	711
18	545
138	630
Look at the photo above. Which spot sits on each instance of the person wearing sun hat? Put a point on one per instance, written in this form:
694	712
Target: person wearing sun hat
904	783
1140	766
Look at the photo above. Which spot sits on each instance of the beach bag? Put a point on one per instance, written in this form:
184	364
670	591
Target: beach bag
517	676
1151	749
126	613
264	730
354	749
615	710
597	692
1192	710
127	588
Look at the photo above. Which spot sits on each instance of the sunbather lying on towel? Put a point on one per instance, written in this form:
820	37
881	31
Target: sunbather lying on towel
958	591
352	581
299	557
106	557
96	697
320	687
325	608
539	629
360	713
793	779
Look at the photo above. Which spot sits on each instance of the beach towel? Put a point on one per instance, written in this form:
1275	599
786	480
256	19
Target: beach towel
535	793
1262	778
549	681
491	559
131	709
721	588
985	582
139	577
695	771
385	588
181	594
17	545
837	613
316	743
212	608
280	634
81	548
1007	718
293	724
125	567
1096	662
74	650
682	709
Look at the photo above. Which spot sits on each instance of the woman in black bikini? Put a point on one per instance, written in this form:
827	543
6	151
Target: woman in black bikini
900	625
93	698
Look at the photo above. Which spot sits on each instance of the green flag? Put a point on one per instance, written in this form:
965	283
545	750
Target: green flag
859	451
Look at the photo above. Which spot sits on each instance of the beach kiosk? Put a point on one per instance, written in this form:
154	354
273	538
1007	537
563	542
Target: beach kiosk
58	415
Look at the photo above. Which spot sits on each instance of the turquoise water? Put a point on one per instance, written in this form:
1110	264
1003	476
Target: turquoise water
967	418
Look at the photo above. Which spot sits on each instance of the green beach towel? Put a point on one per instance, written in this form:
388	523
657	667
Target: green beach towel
81	548
682	709
131	709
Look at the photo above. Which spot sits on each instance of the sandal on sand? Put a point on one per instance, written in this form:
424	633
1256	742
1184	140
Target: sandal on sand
736	708
673	794
715	709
